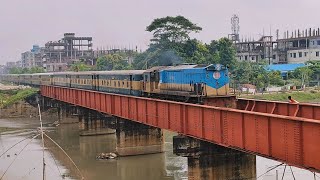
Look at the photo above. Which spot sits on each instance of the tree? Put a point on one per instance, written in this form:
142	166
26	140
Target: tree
112	62
227	53
172	29
275	78
15	70
20	70
80	66
241	73
172	45
36	70
315	67
304	74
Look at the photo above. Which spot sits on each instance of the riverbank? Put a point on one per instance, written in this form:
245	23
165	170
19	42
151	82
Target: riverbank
6	129
10	96
302	96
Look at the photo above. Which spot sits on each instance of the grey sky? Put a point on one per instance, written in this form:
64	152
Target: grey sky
122	22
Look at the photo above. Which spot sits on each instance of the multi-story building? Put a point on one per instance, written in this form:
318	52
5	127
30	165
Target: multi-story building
27	59
300	47
59	55
297	47
31	58
255	51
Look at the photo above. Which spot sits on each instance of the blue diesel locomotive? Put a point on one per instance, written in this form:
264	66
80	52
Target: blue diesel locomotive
182	81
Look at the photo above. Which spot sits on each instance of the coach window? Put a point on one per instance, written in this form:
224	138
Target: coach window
122	84
118	83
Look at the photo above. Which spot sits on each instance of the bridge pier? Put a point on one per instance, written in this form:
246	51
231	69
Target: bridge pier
210	161
137	139
67	114
94	123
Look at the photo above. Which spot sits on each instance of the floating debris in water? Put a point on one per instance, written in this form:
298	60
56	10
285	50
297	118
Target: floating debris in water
107	156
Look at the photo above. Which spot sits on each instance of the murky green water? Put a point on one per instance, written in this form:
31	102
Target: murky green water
83	150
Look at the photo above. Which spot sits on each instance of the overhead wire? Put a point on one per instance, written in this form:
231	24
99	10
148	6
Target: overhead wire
270	170
15	145
74	164
292	173
284	171
18	155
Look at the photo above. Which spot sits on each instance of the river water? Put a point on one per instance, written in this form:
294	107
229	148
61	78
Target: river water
83	150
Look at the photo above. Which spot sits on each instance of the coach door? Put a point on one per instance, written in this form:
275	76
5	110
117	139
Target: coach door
68	80
146	82
95	82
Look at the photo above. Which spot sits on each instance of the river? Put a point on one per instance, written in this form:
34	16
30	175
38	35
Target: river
83	150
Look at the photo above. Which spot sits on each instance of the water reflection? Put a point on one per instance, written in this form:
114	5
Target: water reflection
84	149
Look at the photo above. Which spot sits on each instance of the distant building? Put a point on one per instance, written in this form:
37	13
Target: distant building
27	59
59	55
295	47
255	51
129	53
300	47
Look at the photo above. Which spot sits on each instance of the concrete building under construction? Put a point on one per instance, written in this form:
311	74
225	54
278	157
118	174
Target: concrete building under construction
295	47
59	55
298	46
255	51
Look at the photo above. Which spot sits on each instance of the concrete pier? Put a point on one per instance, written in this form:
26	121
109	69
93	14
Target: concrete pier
92	123
210	161
67	114
136	139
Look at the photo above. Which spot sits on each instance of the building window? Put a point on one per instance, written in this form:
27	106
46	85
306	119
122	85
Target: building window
300	54
240	58
245	57
305	54
294	55
317	53
252	58
290	54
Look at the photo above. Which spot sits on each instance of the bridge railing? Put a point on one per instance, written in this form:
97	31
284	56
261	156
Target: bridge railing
305	110
294	140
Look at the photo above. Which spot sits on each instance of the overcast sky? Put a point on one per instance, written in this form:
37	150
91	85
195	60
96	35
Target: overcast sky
122	22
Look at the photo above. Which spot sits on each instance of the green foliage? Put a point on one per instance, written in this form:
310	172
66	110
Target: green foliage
304	74
112	62
172	29
80	66
227	53
274	78
255	73
10	97
172	45
19	70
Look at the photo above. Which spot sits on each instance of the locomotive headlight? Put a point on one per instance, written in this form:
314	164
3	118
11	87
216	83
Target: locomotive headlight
216	75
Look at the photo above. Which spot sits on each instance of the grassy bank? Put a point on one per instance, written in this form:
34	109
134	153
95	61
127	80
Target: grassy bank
9	97
309	96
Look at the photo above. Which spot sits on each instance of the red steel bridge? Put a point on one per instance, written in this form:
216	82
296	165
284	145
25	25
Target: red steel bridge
289	133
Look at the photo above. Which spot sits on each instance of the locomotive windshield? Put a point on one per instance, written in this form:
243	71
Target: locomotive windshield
215	67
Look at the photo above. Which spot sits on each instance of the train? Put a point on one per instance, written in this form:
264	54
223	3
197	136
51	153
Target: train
182	82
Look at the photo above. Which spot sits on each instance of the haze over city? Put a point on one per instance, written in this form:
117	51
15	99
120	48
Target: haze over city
123	23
